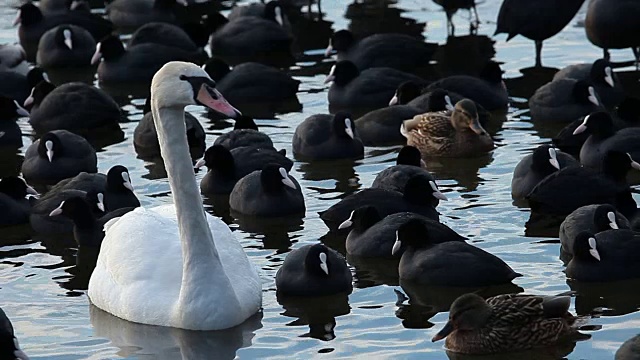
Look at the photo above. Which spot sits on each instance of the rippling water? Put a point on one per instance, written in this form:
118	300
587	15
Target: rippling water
53	322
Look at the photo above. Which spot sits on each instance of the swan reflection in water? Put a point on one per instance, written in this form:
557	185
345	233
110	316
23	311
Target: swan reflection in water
159	342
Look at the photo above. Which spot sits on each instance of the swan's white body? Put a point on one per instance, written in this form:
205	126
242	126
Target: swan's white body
162	266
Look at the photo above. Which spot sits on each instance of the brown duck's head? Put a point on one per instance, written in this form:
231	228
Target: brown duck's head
468	312
465	115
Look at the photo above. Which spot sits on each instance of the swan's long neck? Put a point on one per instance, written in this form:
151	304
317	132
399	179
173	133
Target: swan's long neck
199	255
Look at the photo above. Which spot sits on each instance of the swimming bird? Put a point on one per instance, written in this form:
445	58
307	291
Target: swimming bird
87	229
610	255
361	91
390	50
199	281
373	236
601	76
325	137
270	192
426	260
419	196
592	218
454	134
13	58
58	155
10	133
564	100
534	167
313	270
10	349
604	138
409	163
225	167
65	46
508	322
537	20
16	207
572	187
145	136
129	15
245	133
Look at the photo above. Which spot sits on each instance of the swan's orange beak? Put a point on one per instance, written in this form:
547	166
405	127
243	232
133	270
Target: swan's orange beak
211	98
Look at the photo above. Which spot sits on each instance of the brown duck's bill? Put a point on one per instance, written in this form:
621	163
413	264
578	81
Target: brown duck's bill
477	128
446	330
212	99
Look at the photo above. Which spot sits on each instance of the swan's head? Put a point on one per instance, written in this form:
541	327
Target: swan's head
178	84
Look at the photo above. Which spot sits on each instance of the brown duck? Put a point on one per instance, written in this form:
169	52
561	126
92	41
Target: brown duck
506	323
455	133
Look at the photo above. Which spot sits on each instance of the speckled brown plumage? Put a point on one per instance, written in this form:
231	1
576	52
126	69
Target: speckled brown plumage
513	322
454	133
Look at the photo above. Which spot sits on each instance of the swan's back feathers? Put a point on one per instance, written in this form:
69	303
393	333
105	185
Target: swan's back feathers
141	259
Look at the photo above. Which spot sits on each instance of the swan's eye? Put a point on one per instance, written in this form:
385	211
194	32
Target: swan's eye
182	77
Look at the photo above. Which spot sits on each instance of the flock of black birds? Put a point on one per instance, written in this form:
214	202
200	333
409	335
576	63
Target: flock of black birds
386	89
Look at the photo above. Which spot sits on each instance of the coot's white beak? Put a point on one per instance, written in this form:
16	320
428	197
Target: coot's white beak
593	251
126	181
57	211
347	223
436	192
331	75
396	246
20	110
97	55
200	163
67	39
285	179
608	76
28	101
553	159
582	127
329	49
49	146
394	100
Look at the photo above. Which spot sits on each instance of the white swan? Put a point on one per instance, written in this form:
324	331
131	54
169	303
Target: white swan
162	266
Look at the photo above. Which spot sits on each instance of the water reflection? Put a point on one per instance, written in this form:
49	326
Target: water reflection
319	313
546	353
607	299
343	172
464	55
370	17
466	172
527	84
374	271
160	342
274	232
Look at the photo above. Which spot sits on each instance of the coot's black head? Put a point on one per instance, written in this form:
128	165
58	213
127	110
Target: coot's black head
585	247
76	208
273	11
275	178
29	14
585	94
317	261
96	201
616	164
118	179
598	124
15	187
342	73
492	73
343	126
406	92
110	47
10	109
341	40
197	33
606	218
440	100
245	122
412	233
361	218
35	75
38	93
64	38
421	190
545	160
216	68
602	73
213	21
218	158
50	147
409	155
